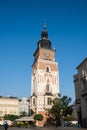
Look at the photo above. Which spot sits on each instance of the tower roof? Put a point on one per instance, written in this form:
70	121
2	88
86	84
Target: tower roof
44	34
44	42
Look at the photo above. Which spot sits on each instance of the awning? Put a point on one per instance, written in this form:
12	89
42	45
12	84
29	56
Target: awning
25	119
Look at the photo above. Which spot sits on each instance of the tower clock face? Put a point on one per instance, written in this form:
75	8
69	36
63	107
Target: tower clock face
47	53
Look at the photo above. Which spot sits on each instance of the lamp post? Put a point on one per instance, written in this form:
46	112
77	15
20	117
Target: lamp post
61	117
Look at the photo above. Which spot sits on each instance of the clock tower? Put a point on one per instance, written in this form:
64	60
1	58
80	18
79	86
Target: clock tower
45	76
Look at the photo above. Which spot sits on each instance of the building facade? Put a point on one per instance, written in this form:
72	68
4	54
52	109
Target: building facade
24	106
8	105
45	76
80	83
74	114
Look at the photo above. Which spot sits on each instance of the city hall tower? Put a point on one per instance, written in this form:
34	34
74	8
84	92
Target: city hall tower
45	76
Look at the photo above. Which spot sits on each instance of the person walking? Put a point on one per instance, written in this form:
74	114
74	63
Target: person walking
6	126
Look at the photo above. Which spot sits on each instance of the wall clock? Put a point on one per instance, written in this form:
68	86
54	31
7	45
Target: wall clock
47	53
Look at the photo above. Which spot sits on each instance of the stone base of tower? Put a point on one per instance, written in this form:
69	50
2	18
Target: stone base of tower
43	122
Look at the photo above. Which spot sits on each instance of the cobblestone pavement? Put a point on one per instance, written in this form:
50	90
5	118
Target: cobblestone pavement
45	128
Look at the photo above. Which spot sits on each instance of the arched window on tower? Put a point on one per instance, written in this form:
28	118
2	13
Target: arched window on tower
47	69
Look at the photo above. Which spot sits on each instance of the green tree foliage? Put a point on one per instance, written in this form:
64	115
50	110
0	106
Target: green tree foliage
23	114
61	108
55	110
10	117
64	105
38	117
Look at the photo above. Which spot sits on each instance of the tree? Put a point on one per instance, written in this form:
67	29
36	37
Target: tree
38	117
10	117
61	108
64	103
23	113
55	111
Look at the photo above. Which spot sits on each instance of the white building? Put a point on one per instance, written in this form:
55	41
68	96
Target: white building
24	105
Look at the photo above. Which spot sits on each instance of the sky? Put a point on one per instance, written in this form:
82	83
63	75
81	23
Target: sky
21	24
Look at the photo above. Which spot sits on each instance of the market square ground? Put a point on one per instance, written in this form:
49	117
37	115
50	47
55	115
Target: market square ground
46	128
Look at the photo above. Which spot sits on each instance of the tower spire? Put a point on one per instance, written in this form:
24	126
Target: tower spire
44	34
44	26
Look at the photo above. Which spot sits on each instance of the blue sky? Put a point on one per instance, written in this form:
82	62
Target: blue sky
21	24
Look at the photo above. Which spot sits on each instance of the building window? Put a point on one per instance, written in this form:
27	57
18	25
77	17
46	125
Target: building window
84	84
48	101
33	101
10	112
5	112
47	69
14	112
47	88
20	108
86	101
1	112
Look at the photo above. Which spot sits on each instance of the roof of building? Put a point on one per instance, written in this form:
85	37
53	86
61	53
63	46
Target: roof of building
48	94
9	97
81	63
44	42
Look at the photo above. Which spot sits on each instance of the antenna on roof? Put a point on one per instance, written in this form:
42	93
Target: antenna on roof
44	26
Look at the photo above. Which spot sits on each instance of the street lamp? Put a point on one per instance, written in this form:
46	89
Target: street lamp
61	117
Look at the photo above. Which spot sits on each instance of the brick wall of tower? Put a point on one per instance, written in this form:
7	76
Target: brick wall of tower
53	67
43	122
42	54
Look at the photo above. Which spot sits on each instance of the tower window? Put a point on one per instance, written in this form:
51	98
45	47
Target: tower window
47	88
48	101
47	69
84	83
33	101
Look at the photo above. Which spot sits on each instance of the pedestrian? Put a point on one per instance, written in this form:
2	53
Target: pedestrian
6	126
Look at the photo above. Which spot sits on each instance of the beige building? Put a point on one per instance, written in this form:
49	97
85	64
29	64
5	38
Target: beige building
8	105
80	83
45	76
